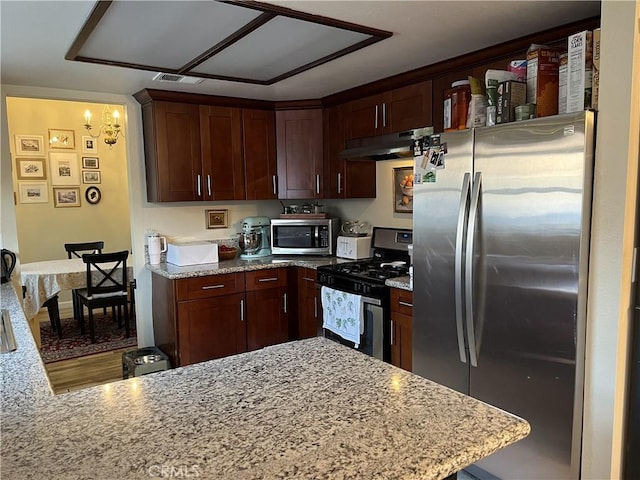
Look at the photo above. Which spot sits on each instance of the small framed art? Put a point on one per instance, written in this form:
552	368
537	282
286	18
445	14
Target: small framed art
217	218
64	168
66	197
91	176
30	145
90	162
93	195
403	190
31	169
59	138
89	144
33	192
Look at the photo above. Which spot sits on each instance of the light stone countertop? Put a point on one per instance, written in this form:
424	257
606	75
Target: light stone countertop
175	272
403	283
310	409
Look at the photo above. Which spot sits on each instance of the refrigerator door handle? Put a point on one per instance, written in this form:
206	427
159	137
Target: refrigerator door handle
462	216
473	214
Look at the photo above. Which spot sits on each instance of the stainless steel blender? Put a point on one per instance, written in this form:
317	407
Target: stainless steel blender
254	238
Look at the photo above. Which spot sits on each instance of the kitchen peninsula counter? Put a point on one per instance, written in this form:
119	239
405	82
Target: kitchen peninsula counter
175	272
306	409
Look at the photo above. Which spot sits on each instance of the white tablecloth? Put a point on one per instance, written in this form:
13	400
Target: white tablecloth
43	280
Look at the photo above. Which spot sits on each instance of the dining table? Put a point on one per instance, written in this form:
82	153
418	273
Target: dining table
43	281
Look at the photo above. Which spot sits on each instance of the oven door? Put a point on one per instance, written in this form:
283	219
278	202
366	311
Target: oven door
377	329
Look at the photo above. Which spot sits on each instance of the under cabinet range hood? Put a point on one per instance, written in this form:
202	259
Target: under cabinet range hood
385	147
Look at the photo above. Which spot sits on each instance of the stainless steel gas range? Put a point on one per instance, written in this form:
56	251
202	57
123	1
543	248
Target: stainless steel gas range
366	278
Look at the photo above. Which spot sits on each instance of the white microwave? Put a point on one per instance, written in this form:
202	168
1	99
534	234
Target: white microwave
313	236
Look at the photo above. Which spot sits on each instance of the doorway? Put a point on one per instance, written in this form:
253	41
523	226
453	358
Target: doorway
54	208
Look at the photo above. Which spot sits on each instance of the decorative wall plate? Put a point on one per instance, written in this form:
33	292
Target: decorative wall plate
93	195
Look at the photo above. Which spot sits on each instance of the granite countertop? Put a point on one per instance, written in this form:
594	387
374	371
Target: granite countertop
403	283
175	272
305	409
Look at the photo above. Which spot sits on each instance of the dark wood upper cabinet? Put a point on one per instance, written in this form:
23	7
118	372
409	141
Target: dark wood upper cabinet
344	178
172	151
197	150
222	160
299	151
259	145
389	112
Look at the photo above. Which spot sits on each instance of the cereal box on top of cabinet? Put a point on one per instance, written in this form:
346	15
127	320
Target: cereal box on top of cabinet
579	71
542	79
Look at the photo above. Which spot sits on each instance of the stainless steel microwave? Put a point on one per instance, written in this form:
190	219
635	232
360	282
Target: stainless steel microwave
313	236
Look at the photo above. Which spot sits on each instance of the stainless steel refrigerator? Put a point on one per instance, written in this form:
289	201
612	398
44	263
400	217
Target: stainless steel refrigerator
501	244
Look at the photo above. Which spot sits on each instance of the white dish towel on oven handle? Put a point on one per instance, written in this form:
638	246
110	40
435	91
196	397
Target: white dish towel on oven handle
342	313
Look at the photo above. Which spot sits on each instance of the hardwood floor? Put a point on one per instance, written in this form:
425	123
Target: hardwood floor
82	372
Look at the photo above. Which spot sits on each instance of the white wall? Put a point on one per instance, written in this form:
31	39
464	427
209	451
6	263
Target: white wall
613	227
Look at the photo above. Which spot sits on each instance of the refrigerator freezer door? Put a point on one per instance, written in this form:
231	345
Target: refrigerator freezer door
438	202
530	268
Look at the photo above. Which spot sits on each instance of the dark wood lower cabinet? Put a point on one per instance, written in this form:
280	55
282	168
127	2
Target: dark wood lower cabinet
309	306
211	328
401	328
267	318
203	318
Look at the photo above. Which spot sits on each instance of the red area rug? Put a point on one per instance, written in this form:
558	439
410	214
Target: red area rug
74	344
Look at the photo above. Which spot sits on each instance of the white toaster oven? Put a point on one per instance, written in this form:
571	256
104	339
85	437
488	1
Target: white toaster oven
353	248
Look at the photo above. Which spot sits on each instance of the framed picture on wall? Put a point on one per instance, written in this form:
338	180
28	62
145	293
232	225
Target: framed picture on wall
90	162
66	197
29	145
59	138
217	218
64	168
30	169
89	144
403	190
33	192
91	176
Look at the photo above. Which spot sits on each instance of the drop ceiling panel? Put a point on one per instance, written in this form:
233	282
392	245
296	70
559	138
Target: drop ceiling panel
278	47
163	34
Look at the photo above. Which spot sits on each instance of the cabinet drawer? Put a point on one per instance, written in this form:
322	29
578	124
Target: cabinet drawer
209	286
401	301
268	278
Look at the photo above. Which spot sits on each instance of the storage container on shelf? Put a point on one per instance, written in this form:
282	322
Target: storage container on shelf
456	105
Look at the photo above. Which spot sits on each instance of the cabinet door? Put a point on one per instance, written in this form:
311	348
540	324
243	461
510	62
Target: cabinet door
267	319
172	151
299	151
309	306
344	178
407	107
222	163
364	117
259	145
211	328
401	328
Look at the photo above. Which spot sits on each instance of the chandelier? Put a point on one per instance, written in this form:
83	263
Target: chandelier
110	126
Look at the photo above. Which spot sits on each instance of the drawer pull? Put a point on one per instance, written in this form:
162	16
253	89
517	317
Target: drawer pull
211	287
242	310
308	279
406	304
270	279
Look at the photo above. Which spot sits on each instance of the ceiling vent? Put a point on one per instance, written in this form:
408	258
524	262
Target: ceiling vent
174	78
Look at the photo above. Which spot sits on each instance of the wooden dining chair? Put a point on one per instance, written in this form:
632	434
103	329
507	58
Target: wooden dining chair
106	287
77	250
